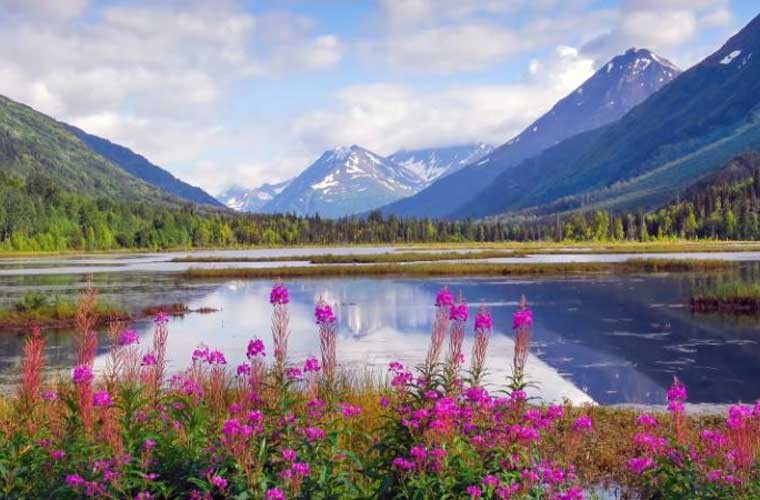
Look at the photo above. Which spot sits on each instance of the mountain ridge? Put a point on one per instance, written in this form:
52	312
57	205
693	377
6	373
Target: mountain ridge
142	168
562	121
693	125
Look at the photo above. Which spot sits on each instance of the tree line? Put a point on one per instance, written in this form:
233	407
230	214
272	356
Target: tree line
36	215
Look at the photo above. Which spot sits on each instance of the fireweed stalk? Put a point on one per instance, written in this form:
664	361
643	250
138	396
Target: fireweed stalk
458	314
483	328
522	322
325	318
33	364
279	298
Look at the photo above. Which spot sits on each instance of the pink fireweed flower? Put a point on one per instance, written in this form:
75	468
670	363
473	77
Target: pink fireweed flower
583	423
219	482
402	464
324	314
474	491
349	410
161	318
419	453
522	319
459	312
74	480
638	465
279	294
57	454
301	469
128	337
288	455
483	320
243	370
395	366
491	481
102	398
255	417
311	365
647	420
149	360
314	434
49	396
275	494
384	401
518	396
82	374
738	416
677	395
444	298
201	354
294	373
216	358
255	348
149	444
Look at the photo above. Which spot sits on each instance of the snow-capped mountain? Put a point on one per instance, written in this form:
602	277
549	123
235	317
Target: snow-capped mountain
434	163
344	181
615	89
251	200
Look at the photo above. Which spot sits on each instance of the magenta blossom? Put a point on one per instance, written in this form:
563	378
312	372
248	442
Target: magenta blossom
324	314
243	369
646	420
458	312
474	491
483	320
219	482
102	398
522	319
128	337
311	365
279	295
201	354
314	434
216	358
444	298
255	348
149	360
82	374
349	410
583	423
638	465
49	396
275	494
161	318
294	373
289	455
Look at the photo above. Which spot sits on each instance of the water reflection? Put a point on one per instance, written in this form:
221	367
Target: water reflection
610	339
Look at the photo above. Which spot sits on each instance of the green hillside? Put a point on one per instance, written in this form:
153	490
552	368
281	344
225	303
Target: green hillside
31	142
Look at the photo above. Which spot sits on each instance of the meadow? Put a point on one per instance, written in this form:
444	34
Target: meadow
275	427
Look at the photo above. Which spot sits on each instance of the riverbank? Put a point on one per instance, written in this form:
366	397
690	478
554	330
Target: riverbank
669	246
64	315
465	269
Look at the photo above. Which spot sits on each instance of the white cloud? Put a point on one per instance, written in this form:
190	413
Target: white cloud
452	49
665	26
386	117
52	8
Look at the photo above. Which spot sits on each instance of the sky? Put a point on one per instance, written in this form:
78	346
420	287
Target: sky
223	92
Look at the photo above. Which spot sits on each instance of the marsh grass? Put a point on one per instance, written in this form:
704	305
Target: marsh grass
735	297
466	269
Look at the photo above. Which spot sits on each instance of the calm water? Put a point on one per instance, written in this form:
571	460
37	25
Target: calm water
607	339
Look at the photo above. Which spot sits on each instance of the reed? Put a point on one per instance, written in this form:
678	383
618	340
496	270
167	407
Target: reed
466	269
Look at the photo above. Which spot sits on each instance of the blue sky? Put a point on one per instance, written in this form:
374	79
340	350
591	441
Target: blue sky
245	92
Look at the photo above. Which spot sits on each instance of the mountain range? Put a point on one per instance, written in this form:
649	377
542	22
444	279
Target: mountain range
691	127
353	180
344	180
242	199
617	87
